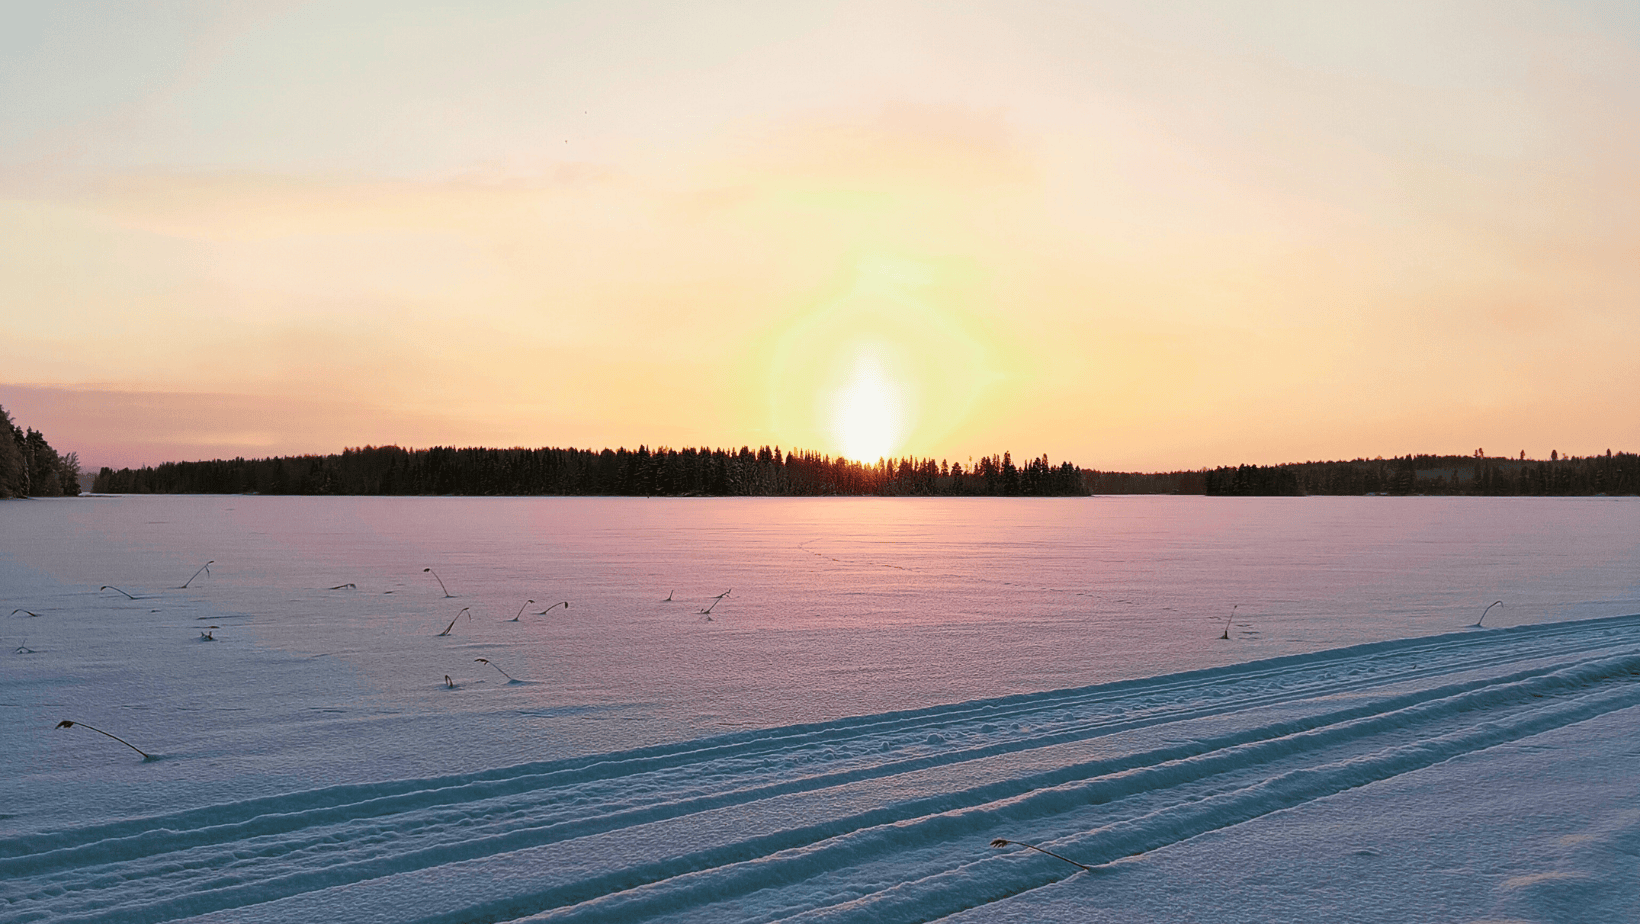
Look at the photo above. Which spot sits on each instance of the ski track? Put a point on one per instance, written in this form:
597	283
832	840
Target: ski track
874	818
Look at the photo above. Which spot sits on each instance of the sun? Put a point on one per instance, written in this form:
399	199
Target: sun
868	414
892	357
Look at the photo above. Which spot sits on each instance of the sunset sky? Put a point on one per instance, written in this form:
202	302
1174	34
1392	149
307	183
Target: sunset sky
1139	236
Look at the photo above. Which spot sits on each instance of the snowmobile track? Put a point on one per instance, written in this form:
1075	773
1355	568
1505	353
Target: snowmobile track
871	818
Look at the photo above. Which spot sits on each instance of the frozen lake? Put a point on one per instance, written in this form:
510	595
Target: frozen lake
326	667
861	604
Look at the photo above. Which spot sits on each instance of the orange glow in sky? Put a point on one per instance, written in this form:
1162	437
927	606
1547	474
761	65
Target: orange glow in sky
1135	235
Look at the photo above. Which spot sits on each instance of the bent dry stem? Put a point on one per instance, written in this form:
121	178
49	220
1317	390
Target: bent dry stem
68	724
452	625
203	569
1000	843
716	600
440	580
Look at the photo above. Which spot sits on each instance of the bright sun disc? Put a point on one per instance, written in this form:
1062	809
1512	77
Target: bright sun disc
868	416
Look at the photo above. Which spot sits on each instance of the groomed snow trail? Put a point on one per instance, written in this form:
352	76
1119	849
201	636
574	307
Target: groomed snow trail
875	818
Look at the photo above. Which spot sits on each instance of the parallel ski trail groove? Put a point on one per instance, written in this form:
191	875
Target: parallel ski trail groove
882	831
327	806
175	838
1312	722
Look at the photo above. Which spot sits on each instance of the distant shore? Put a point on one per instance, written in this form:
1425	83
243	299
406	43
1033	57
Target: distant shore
766	472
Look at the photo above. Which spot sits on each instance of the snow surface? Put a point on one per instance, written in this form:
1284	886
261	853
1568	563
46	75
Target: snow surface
888	686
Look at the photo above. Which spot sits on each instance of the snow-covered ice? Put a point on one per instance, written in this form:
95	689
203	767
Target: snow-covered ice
887	687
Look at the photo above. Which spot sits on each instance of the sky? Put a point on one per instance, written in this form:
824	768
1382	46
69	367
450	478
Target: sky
1138	236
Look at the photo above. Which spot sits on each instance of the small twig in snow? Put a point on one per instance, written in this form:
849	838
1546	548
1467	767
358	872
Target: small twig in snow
452	624
999	843
716	600
496	666
520	611
1484	612
112	587
67	724
203	569
447	594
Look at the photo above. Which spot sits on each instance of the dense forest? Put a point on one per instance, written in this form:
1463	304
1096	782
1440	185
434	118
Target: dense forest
390	470
1420	474
29	467
1190	482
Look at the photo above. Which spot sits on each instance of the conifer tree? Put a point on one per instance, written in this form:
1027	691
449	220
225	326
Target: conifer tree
13	471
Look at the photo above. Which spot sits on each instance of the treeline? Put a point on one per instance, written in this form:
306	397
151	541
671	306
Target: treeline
390	470
29	467
1193	482
1439	475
